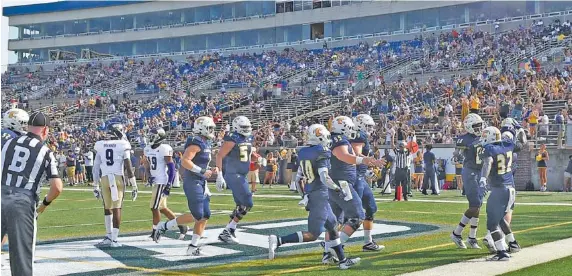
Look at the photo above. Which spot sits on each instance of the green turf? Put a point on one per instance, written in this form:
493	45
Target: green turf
77	214
556	267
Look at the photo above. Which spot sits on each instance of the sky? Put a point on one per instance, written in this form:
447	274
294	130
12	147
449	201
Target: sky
8	57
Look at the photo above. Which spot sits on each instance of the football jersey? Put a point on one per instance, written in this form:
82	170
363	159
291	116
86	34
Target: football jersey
8	134
340	169
237	161
501	168
362	137
472	150
157	165
311	159
111	154
202	158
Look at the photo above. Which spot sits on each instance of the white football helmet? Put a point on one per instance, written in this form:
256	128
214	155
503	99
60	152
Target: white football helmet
319	135
507	135
490	135
156	136
241	125
16	119
474	124
344	125
365	123
509	123
205	126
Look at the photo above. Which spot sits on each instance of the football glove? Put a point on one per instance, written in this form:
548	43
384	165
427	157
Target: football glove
134	189
207	191
483	185
167	190
345	191
97	192
220	183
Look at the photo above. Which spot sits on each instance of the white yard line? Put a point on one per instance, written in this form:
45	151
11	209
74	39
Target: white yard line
529	256
377	199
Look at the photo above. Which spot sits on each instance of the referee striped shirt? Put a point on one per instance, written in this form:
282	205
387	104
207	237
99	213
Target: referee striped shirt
402	158
25	160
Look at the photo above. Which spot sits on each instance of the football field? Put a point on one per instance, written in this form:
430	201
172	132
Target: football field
415	234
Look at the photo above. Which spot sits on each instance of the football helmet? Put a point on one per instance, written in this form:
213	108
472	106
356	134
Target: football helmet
490	135
507	135
115	132
205	126
344	125
365	123
16	119
241	125
509	123
319	135
473	124
156	136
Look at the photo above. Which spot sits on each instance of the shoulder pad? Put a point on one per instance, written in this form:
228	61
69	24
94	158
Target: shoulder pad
361	138
166	150
193	140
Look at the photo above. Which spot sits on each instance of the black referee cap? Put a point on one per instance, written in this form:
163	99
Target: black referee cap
38	119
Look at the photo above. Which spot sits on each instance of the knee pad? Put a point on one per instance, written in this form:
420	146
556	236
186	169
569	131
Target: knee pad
239	212
333	233
354	223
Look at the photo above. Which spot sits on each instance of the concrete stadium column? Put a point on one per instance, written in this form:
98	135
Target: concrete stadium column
20	32
537	8
402	21
182	17
286	36
134	21
233	39
157	46
87	26
20	55
466	16
258	39
134	48
182	44
43	29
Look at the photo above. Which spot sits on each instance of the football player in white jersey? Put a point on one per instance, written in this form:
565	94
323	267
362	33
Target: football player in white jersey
161	170
112	157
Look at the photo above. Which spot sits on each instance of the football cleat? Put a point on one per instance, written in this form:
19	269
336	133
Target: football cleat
329	258
347	263
513	247
372	246
458	240
227	236
473	243
193	250
489	244
272	246
116	244
156	235
500	256
153	233
105	242
183	229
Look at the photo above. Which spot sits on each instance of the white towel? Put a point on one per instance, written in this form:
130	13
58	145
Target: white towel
113	187
437	184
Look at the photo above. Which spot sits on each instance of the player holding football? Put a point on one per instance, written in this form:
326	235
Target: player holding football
112	157
314	163
196	161
497	168
236	151
347	206
365	125
15	122
470	147
161	170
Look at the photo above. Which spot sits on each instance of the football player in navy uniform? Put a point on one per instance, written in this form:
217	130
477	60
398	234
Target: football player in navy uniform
470	147
235	151
510	130
347	206
196	161
360	144
497	169
314	164
14	122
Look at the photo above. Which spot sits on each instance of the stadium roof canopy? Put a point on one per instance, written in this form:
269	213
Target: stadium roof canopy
61	6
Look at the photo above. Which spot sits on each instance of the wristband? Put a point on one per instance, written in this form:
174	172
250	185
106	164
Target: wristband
45	202
196	169
359	160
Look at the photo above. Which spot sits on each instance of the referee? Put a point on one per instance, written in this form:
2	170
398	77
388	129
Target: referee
25	160
402	162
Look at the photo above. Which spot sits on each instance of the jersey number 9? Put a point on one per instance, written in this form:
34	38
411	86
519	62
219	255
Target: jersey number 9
109	157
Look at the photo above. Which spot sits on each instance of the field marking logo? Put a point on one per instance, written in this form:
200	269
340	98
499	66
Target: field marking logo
82	257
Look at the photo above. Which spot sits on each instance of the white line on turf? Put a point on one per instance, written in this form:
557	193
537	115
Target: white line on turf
527	257
377	199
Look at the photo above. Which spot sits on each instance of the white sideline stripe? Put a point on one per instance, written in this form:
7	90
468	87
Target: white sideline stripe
529	256
377	199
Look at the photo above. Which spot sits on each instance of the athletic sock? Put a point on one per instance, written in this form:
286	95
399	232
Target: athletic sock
195	240
154	226
473	231
114	234
232	224
336	245
108	225
344	237
459	230
367	238
296	237
498	237
510	237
